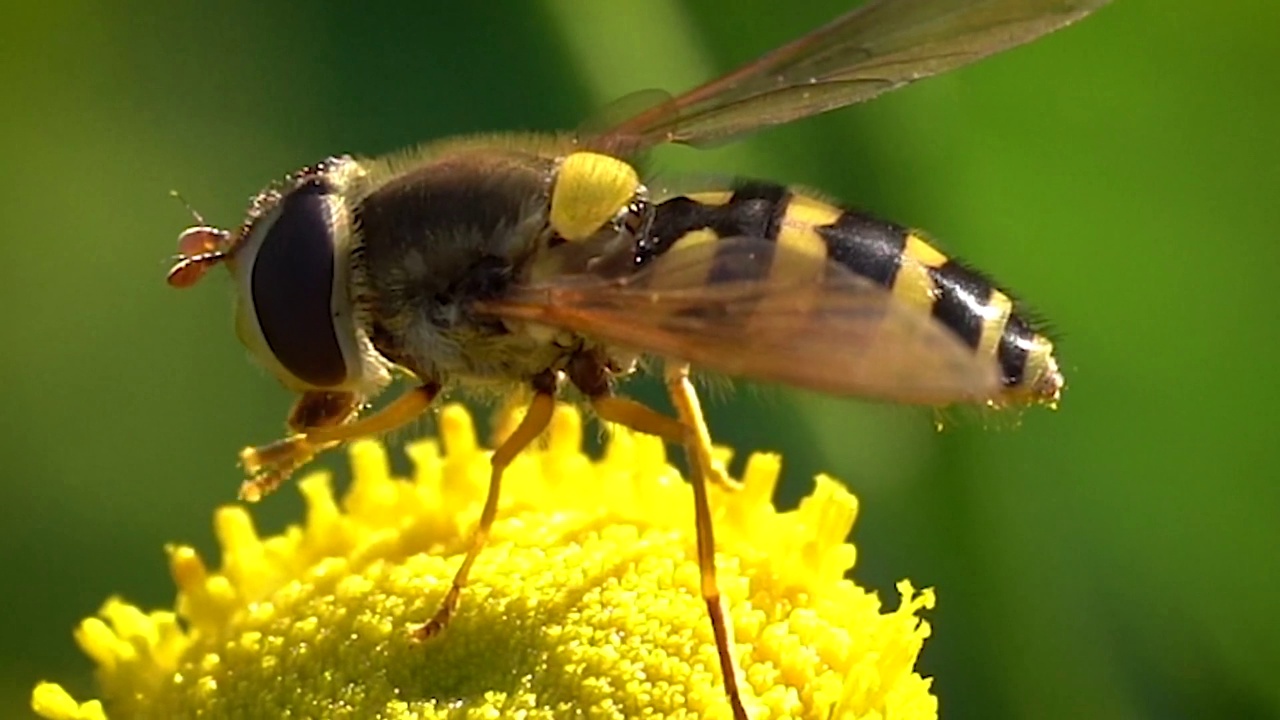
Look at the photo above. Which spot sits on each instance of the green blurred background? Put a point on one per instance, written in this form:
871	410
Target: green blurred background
1115	559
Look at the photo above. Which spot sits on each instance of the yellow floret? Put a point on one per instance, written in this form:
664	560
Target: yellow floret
584	604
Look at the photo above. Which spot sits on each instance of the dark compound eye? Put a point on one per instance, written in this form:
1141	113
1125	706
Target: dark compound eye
292	287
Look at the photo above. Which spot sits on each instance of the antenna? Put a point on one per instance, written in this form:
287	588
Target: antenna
200	247
178	196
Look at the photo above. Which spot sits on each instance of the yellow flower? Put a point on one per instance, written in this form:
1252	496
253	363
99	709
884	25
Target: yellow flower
585	603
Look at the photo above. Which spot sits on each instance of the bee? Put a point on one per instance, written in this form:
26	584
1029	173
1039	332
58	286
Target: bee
540	263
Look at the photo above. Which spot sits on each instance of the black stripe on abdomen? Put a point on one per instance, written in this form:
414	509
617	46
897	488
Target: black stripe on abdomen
963	294
754	210
869	247
1012	352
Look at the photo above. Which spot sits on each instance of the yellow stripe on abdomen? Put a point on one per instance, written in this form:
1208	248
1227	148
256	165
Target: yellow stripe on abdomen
994	316
712	198
799	262
913	284
804	251
696	250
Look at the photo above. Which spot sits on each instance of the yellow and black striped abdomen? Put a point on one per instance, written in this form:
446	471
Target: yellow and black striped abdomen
982	316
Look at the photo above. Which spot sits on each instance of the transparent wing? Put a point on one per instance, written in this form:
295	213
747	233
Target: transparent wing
752	308
875	48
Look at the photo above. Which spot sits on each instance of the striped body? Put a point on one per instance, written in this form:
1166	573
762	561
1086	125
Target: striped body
986	319
527	262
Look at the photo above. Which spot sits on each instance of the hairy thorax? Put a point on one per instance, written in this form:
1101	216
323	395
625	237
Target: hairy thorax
435	240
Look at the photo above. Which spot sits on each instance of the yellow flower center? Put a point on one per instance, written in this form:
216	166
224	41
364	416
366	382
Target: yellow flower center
584	604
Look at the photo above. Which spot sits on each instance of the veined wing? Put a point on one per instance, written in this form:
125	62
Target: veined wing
753	308
873	49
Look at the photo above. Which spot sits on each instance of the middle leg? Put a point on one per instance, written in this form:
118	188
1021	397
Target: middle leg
531	426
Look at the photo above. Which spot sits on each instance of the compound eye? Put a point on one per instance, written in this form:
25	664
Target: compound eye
292	287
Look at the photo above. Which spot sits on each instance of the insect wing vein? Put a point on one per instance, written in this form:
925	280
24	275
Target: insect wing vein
874	48
829	331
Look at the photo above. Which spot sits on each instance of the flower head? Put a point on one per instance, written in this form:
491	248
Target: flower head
584	604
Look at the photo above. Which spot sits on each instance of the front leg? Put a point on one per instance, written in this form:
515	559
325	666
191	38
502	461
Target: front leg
321	421
270	465
322	407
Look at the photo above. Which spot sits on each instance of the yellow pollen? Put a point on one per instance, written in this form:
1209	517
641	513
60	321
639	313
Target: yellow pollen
585	601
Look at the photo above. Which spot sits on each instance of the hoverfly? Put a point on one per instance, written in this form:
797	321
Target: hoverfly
532	262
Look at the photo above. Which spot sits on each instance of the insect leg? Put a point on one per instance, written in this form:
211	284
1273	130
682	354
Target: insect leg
591	375
531	426
698	447
642	418
322	408
698	439
639	417
270	465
